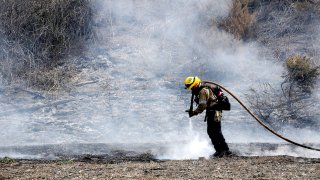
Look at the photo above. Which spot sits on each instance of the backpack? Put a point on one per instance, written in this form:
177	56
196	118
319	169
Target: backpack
223	101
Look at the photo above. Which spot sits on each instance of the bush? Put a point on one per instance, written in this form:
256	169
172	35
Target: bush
275	109
6	160
286	27
293	105
302	72
239	19
38	34
307	5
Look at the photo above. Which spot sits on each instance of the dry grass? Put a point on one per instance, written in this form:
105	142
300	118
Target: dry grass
307	5
37	35
272	167
239	19
287	27
279	111
51	79
301	72
293	105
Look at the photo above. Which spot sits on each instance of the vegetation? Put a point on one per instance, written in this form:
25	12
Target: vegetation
239	20
6	160
286	28
66	161
302	73
293	105
36	36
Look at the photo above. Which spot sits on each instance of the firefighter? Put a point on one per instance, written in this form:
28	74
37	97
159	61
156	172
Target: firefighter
206	99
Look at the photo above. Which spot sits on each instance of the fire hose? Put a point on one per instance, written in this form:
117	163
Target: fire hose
260	121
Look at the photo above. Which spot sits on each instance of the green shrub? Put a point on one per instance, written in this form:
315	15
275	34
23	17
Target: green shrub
6	160
66	161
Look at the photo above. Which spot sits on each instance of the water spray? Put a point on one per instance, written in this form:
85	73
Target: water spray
259	120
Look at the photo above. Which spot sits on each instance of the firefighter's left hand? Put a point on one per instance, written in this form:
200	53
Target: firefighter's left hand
191	113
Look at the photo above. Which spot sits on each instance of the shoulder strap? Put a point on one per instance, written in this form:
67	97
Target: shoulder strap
215	89
209	87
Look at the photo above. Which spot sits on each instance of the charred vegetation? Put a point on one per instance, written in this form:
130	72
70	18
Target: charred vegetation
287	29
38	36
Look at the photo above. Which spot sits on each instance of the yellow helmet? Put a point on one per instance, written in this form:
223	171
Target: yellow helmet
191	81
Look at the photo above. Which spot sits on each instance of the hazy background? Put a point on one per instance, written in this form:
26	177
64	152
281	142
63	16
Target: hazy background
130	87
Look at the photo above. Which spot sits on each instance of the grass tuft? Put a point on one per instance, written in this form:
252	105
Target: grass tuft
301	71
6	160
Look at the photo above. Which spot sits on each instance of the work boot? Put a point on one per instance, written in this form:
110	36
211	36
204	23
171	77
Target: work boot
220	154
217	154
228	153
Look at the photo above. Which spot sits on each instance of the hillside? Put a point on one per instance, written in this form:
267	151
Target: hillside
81	80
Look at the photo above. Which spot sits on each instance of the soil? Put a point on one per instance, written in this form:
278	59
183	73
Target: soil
145	167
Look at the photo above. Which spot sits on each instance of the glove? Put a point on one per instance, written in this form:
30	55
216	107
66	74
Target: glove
191	113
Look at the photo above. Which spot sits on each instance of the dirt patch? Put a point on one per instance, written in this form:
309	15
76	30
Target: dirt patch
277	167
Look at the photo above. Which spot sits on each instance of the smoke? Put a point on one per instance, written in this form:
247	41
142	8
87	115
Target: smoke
194	148
130	89
162	42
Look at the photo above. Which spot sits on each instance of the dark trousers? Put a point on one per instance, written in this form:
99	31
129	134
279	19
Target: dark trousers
215	133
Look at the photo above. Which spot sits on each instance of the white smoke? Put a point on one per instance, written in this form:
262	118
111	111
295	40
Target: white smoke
138	97
165	41
194	148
